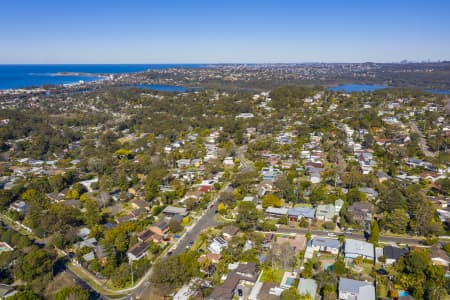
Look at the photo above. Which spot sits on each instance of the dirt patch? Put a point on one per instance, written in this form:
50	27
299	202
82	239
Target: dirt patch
60	281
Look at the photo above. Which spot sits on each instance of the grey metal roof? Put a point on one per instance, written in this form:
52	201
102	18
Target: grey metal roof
362	289
369	191
89	256
394	252
307	212
354	248
277	211
325	242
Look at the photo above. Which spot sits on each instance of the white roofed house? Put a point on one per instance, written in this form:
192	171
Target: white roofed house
338	206
19	206
228	162
217	244
350	289
324	245
325	212
439	257
355	248
314	177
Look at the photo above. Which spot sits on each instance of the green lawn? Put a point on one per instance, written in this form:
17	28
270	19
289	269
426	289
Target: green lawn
270	275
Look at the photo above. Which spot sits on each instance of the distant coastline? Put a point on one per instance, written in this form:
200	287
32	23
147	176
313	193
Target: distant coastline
184	77
15	77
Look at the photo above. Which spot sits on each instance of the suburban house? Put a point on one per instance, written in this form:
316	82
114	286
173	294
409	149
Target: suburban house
229	231
338	205
101	254
324	245
217	244
138	251
382	176
6	291
160	228
56	197
439	257
19	206
314	177
270	173
192	194
139	212
83	233
350	289
5	247
414	163
145	235
140	204
89	256
125	219
307	286
245	274
392	254
264	187
171	211
228	162
370	192
361	212
89	243
325	212
355	248
296	213
275	212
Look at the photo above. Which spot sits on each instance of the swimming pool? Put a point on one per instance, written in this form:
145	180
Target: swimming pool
290	281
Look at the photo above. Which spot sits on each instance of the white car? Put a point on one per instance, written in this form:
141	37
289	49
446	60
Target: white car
331	234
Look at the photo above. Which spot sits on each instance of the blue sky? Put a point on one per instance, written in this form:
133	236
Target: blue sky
190	31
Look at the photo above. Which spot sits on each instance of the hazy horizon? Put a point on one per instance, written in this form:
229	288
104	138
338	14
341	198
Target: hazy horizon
231	63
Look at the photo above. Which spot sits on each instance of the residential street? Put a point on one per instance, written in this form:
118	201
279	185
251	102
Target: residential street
422	142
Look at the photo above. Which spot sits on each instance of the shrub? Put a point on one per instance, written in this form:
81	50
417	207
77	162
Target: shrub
303	223
283	220
329	225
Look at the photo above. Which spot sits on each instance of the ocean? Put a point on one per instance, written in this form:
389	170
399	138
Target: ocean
25	76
